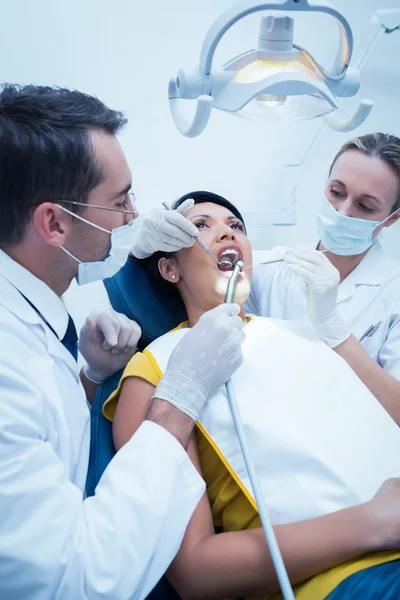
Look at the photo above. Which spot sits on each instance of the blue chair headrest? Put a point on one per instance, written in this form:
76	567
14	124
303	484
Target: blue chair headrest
132	293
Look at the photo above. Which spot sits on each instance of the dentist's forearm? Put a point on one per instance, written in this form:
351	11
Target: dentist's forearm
383	386
172	419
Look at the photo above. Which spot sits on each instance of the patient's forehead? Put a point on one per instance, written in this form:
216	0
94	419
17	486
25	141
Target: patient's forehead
213	210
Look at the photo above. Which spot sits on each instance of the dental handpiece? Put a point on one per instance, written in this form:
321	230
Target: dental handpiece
272	543
230	292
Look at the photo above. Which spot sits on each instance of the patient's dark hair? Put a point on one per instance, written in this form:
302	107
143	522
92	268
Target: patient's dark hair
151	263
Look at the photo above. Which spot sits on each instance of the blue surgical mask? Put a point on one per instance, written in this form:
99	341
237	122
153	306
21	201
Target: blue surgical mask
345	236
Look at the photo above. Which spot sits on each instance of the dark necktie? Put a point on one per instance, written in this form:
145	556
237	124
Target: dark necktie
70	339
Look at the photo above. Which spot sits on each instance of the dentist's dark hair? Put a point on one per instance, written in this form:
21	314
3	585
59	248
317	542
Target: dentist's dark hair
384	146
45	150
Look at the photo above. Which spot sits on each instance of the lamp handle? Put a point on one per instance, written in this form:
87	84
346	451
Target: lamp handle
201	117
344	125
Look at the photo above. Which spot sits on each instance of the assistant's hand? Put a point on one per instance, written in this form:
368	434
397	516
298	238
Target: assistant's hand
107	342
161	229
203	360
321	280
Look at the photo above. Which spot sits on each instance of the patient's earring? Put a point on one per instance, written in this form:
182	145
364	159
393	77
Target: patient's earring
173	276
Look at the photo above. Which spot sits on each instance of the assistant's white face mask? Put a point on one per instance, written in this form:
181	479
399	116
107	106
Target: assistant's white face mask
345	236
122	239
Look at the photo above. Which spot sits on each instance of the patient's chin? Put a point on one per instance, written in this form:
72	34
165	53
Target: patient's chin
242	291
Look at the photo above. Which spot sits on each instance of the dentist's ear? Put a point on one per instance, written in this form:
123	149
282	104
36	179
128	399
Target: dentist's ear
51	223
169	269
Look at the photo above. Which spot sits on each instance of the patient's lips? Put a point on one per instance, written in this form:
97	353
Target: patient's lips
228	258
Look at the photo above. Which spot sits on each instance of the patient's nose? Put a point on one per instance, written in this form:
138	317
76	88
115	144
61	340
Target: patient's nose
226	233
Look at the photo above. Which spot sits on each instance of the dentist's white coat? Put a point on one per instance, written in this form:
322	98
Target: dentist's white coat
54	544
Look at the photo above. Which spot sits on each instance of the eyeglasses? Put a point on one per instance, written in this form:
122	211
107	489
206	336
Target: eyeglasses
132	200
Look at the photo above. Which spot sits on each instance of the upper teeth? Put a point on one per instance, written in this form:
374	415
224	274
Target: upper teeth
230	251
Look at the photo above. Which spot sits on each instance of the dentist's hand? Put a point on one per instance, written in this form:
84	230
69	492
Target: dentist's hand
321	281
161	229
203	360
107	342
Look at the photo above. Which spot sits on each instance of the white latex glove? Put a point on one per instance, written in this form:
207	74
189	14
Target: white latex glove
161	229
321	280
107	342
203	360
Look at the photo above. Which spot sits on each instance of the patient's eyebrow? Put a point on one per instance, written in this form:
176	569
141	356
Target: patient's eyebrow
204	216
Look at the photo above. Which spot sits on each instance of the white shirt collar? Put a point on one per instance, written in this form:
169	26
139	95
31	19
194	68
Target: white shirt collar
42	297
373	268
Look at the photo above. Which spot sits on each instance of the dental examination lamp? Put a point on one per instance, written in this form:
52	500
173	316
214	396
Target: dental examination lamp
277	81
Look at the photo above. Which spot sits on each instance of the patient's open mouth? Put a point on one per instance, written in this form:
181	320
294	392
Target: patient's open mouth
228	258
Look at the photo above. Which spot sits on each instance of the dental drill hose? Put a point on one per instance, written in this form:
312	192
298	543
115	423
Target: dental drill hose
276	556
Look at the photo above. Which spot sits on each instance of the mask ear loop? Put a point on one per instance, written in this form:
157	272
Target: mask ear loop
70	254
82	219
85	221
389	217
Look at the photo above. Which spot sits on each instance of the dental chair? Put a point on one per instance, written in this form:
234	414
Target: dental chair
131	293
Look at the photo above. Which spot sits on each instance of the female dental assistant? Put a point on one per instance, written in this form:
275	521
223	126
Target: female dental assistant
351	293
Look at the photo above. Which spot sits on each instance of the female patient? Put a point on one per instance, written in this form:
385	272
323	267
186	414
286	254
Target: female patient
321	443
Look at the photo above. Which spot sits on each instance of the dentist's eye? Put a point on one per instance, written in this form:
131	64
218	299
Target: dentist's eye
124	203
